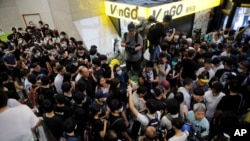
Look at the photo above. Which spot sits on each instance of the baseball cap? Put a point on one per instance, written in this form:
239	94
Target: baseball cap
131	26
167	18
100	94
204	77
165	84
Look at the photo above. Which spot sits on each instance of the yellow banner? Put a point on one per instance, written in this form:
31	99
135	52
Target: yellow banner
125	11
176	9
182	8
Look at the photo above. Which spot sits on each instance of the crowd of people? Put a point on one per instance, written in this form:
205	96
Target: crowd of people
187	88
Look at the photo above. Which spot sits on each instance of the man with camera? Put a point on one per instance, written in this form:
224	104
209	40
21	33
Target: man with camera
133	43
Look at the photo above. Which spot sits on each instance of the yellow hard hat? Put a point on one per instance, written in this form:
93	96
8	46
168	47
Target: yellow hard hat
114	62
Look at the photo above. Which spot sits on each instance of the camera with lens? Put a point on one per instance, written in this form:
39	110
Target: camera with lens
195	133
131	49
160	132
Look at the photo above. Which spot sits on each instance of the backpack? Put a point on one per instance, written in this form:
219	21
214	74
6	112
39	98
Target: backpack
150	34
154	121
136	36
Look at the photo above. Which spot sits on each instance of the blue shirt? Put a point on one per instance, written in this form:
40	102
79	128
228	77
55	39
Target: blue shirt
203	123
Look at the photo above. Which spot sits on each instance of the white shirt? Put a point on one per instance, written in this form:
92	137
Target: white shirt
183	137
202	69
186	95
16	124
13	103
211	102
58	83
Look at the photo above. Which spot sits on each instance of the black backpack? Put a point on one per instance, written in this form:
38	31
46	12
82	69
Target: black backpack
150	34
153	121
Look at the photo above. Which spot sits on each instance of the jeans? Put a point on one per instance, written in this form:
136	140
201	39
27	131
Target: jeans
156	53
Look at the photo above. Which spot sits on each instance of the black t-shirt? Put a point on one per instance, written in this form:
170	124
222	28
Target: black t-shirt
54	124
229	103
64	112
220	72
48	93
189	68
90	86
117	124
97	126
69	101
85	56
98	73
80	118
156	33
64	61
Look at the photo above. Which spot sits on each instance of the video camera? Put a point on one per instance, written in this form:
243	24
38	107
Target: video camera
131	48
195	133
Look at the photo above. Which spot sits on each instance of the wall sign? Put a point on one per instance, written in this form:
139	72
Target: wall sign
125	11
176	9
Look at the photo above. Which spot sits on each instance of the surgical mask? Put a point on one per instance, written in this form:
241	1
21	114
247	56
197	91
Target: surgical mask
226	35
240	70
80	54
75	64
61	36
184	37
121	109
119	72
51	43
12	44
92	57
63	45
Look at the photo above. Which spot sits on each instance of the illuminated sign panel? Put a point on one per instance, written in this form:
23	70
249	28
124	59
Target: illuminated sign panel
125	11
182	8
176	9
